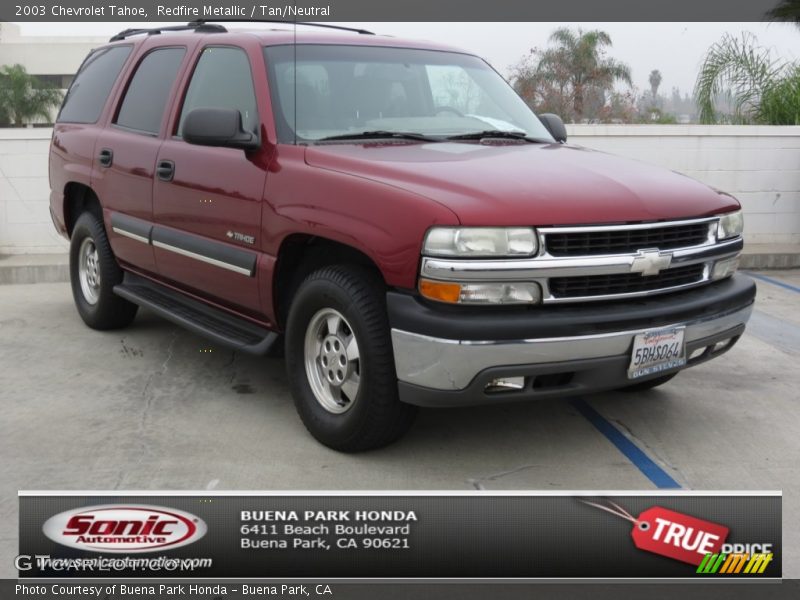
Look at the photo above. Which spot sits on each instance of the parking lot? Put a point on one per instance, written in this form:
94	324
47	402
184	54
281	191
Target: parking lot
156	407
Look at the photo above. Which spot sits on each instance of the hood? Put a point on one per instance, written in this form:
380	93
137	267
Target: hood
527	184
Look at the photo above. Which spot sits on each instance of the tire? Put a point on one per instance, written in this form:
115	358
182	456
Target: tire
643	386
93	273
345	395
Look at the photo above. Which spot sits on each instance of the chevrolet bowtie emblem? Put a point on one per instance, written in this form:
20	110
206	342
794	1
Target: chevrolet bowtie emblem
650	262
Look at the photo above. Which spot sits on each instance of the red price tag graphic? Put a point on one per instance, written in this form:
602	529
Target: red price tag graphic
669	533
676	535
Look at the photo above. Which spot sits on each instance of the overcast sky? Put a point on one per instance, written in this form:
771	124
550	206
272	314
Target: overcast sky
676	49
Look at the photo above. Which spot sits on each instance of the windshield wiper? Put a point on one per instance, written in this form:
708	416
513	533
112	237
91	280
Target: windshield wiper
378	135
498	133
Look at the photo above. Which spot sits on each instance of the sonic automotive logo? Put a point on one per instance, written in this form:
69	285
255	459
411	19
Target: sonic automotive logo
124	528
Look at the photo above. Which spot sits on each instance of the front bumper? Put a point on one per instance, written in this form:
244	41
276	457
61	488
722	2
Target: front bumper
446	356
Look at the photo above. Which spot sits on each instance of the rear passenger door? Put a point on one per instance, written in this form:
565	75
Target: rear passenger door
125	155
207	200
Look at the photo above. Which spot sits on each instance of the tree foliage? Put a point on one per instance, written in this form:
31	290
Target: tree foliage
572	77
760	89
786	10
780	103
24	98
655	82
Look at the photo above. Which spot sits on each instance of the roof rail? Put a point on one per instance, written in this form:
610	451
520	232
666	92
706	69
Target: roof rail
306	23
200	27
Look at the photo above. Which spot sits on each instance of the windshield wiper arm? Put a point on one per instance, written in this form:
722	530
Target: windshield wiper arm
498	133
378	135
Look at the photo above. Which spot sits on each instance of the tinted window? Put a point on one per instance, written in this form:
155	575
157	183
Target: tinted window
88	93
222	79
147	93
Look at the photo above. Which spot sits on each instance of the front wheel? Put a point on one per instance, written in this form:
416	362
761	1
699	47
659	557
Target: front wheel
340	362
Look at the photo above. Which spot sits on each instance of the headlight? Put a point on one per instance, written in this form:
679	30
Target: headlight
480	241
730	225
495	292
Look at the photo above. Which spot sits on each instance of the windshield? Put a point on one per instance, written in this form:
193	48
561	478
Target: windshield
323	91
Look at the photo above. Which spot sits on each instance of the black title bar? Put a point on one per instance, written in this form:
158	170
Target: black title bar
405	10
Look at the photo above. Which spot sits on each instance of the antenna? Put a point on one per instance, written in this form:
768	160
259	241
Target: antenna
295	82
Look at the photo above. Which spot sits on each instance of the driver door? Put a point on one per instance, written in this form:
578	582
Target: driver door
207	200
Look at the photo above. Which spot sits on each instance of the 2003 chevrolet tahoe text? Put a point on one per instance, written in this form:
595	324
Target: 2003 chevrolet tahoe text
389	210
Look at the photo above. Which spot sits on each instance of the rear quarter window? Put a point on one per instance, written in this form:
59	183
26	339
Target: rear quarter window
89	91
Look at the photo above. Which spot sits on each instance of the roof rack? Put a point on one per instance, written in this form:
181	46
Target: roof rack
211	26
201	22
200	27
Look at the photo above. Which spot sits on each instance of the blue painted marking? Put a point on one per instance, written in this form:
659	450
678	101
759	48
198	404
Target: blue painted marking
777	282
632	452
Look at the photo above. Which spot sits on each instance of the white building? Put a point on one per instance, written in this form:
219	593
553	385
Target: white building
53	59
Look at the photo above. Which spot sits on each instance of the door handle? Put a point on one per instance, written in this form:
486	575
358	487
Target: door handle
106	157
165	170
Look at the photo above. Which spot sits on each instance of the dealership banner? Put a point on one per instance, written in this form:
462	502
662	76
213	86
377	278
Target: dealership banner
690	535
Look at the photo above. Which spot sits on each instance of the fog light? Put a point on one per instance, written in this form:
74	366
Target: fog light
505	384
725	268
721	345
697	352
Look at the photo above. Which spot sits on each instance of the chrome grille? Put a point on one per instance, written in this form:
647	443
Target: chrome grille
624	283
596	263
621	241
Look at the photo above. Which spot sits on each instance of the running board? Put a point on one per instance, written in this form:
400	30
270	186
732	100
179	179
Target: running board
200	318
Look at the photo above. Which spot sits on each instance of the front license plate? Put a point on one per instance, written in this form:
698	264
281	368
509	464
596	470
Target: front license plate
657	350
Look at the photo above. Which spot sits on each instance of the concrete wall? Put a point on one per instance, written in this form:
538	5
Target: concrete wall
25	225
759	165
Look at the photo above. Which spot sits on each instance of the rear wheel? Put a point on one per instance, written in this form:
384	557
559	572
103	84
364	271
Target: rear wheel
643	386
340	362
93	274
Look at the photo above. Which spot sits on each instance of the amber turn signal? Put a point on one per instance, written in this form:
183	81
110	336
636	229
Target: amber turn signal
440	290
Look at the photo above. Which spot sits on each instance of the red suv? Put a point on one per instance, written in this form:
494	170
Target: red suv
390	211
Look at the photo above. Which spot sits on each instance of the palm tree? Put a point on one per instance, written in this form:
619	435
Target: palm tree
655	81
23	98
577	61
761	89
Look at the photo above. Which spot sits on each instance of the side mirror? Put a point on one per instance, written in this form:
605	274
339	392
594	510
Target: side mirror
555	126
218	127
